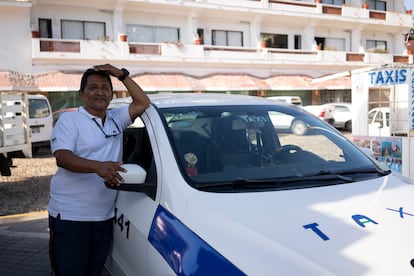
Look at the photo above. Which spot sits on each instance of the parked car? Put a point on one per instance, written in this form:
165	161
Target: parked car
317	110
323	112
337	114
56	114
341	116
40	121
379	121
295	100
213	188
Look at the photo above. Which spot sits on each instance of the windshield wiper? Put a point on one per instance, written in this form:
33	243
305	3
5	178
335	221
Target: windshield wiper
238	183
321	175
287	182
275	182
366	170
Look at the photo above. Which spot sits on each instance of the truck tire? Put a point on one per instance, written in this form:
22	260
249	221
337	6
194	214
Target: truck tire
5	164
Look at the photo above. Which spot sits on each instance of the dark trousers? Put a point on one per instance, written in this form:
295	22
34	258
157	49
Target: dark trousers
77	247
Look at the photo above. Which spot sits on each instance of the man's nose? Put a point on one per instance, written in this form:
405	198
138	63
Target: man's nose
102	90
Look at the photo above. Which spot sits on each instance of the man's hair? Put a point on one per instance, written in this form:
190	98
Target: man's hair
91	72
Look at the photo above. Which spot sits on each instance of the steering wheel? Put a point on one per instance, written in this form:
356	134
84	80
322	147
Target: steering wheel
285	149
288	147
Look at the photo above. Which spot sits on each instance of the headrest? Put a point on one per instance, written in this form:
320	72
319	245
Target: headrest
238	124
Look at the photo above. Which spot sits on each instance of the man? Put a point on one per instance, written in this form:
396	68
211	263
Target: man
87	145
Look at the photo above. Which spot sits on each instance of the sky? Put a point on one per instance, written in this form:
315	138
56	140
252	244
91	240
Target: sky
409	4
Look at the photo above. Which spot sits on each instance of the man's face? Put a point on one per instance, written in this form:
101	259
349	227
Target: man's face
97	94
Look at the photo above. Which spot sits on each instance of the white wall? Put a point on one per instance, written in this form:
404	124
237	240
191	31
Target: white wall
57	13
15	45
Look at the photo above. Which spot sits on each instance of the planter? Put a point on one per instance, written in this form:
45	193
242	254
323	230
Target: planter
410	12
35	34
123	37
410	47
197	41
317	1
365	5
262	44
355	57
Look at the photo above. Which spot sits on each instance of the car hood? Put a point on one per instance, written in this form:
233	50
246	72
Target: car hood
362	228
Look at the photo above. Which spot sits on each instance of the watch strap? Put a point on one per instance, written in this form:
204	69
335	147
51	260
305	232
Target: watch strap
125	73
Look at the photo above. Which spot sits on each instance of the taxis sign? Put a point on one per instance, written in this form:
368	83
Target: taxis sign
388	77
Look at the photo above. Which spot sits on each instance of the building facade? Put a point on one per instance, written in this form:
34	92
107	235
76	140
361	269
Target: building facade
258	47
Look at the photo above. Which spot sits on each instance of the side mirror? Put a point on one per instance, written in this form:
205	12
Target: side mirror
135	174
134	181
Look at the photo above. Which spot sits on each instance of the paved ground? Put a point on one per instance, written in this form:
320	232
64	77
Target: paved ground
24	245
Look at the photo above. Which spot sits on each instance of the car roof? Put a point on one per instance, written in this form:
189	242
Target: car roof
69	109
385	109
283	97
344	104
198	99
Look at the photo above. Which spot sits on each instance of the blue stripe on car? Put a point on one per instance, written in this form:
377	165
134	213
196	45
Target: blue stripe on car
184	251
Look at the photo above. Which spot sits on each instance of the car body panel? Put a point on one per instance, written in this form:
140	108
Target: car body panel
341	115
351	225
57	113
295	100
316	110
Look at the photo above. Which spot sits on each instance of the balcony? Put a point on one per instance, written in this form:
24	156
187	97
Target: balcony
89	51
292	8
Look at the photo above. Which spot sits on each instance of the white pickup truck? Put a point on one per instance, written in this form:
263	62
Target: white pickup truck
26	124
14	128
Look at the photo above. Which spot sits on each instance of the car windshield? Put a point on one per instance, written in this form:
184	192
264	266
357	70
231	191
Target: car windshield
224	148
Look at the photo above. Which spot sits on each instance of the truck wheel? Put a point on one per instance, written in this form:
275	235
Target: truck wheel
348	126
5	164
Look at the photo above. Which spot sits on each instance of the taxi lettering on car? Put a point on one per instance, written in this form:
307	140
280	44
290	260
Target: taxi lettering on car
222	185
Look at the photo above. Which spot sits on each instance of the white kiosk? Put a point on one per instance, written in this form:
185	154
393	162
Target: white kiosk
383	119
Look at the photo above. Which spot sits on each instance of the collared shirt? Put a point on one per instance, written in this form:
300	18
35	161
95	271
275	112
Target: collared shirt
84	196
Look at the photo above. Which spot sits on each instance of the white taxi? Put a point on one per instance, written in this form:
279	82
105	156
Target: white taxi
213	188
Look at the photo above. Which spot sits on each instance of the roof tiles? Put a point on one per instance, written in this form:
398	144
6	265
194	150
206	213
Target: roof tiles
69	81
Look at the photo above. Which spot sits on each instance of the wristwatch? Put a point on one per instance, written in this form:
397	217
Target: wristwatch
125	73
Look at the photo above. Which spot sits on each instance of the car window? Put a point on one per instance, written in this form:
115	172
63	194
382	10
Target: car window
38	108
387	119
227	144
137	149
341	108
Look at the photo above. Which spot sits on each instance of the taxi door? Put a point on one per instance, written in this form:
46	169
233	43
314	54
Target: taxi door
131	253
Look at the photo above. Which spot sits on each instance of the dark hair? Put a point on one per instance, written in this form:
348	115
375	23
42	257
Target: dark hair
91	72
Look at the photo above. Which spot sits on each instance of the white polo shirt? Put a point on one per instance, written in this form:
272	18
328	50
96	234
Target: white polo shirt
84	196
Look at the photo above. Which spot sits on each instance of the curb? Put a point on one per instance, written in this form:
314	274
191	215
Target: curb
23	217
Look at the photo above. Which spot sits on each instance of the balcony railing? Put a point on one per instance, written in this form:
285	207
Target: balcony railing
64	51
312	8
